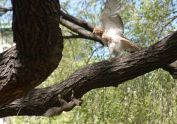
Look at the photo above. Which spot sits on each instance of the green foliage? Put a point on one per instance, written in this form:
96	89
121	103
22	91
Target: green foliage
75	55
150	98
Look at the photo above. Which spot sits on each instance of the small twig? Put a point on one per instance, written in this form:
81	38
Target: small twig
93	53
169	22
4	10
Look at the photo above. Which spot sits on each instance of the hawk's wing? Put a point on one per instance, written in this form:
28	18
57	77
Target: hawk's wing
110	18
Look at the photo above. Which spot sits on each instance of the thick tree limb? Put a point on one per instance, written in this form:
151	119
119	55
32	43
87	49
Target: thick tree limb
101	74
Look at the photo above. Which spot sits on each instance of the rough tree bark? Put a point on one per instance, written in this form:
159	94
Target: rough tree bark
39	50
101	74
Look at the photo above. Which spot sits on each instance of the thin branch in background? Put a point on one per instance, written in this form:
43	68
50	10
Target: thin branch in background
93	54
3	9
174	12
168	23
171	20
73	51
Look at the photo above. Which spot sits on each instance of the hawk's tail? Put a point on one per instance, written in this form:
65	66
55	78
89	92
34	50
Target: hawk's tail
129	45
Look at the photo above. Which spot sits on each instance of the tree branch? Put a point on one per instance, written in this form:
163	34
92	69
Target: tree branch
77	21
101	74
81	31
3	10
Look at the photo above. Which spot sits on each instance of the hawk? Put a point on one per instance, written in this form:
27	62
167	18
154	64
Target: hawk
112	30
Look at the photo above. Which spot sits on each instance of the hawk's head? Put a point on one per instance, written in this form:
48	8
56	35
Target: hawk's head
98	31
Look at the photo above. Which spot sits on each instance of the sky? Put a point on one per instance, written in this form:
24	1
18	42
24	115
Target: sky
6	18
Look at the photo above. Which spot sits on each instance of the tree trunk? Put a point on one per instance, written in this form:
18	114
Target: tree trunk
38	50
